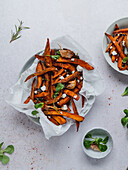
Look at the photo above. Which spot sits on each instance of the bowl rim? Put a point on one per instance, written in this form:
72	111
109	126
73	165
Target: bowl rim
97	128
106	55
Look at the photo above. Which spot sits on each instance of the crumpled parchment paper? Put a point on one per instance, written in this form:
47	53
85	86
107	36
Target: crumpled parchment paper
93	85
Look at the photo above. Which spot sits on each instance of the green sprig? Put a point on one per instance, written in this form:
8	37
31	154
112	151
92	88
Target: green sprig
15	35
125	92
4	158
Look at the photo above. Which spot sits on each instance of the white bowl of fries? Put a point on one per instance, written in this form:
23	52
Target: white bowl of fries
115	45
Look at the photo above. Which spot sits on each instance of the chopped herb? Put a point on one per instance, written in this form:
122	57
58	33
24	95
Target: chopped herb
125	92
4	158
39	105
96	141
16	35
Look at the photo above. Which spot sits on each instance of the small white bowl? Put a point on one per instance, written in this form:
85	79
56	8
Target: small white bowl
102	133
122	23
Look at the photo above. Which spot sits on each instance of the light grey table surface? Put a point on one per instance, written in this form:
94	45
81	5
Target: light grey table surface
85	21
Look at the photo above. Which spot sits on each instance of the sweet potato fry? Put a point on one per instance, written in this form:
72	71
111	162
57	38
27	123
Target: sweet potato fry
125	30
108	48
42	58
27	100
77	62
66	114
116	45
75	112
58	78
66	66
83	100
58	73
42	94
40	73
50	101
39	78
47	78
32	90
68	108
67	79
52	52
51	87
53	120
116	27
48	60
60	120
71	94
67	53
72	84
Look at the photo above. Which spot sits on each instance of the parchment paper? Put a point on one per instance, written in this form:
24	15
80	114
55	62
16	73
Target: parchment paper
93	85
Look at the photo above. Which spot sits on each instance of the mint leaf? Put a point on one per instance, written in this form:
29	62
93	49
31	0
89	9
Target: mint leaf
5	159
9	149
124	120
39	105
88	135
34	112
87	143
59	87
125	92
125	60
126	112
105	140
102	148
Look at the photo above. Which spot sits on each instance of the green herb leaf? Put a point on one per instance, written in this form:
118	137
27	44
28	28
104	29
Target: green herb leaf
5	159
125	92
59	87
105	140
26	27
124	120
1	144
126	112
125	60
87	143
39	105
55	57
102	148
34	112
88	135
58	52
100	140
9	149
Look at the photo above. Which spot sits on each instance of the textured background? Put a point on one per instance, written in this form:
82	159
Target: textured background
85	21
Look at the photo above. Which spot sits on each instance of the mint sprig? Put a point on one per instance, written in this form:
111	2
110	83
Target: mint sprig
4	158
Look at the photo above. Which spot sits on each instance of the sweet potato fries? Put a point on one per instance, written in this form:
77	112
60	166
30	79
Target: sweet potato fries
117	48
56	83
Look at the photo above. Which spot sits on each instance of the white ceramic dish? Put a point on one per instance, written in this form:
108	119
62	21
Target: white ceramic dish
122	23
98	132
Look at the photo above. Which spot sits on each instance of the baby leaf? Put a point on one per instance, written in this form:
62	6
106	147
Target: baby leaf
5	159
39	105
126	112
100	140
124	120
34	112
58	52
87	143
125	60
105	140
59	87
9	149
125	92
88	135
102	148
